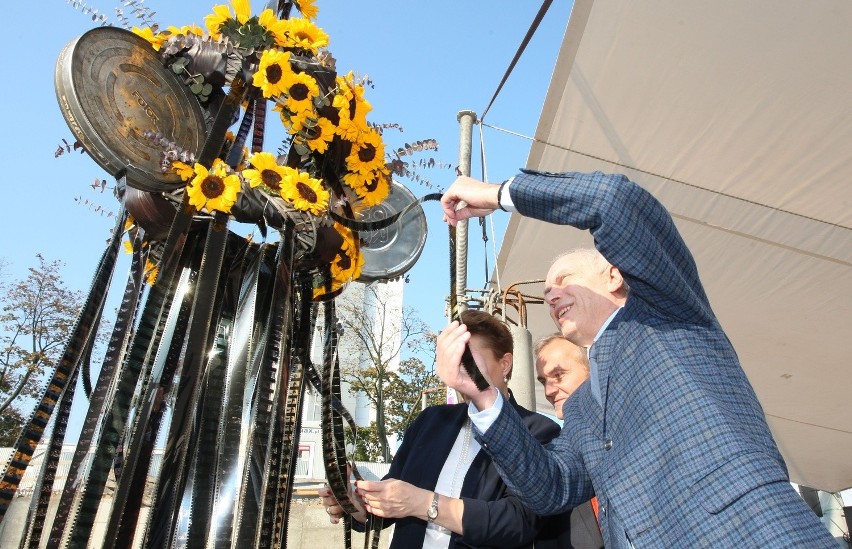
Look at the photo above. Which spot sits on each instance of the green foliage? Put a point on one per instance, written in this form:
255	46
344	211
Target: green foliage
366	442
405	394
11	422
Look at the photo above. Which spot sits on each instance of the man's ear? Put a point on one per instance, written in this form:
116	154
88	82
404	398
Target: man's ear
506	364
614	281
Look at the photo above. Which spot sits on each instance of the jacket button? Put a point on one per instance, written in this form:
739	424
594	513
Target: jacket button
607	444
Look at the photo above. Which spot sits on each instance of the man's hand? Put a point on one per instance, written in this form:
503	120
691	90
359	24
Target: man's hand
450	347
468	197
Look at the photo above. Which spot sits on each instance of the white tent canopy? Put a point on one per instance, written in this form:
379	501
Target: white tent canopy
738	117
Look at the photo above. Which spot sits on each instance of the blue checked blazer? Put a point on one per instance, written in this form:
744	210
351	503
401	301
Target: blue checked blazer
679	454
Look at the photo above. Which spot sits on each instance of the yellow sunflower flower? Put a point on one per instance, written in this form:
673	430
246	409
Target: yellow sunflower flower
221	15
300	89
128	246
307	9
268	21
372	188
367	153
213	189
147	33
300	34
351	107
318	133
271	71
151	272
242	10
184	171
294	122
267	172
185	30
349	260
305	193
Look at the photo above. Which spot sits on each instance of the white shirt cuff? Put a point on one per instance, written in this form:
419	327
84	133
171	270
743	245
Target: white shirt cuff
506	198
486	418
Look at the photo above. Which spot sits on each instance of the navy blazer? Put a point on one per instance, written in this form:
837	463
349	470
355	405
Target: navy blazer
680	453
492	516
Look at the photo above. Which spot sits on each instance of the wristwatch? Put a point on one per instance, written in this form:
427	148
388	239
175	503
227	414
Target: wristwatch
432	512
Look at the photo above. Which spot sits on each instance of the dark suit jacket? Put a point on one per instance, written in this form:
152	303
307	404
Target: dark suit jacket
581	532
680	453
492	516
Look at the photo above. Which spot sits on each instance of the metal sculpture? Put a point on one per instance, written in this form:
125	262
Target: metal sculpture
213	358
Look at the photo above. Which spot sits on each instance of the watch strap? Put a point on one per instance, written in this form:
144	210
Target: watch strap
432	512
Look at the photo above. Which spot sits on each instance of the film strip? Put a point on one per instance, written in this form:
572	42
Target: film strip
300	349
357	225
78	342
115	353
275	370
333	436
234	433
175	493
468	363
44	484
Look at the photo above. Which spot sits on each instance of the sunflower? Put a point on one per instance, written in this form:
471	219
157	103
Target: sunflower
318	133
300	90
307	9
367	153
345	266
213	189
269	21
349	261
300	34
306	193
151	272
351	107
147	33
294	122
221	15
274	65
372	188
242	10
185	30
184	171
266	172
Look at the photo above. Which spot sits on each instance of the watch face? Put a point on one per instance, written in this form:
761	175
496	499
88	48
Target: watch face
432	512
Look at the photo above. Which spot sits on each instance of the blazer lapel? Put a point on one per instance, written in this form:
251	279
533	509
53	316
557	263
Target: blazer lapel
443	437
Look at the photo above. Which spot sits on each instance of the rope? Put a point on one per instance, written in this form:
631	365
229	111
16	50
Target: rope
533	27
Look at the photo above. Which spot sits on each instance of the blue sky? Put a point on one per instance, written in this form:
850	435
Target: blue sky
427	60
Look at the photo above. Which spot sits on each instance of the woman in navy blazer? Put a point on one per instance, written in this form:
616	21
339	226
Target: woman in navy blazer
441	490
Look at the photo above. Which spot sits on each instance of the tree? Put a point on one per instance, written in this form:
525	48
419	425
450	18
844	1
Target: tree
377	329
38	313
405	394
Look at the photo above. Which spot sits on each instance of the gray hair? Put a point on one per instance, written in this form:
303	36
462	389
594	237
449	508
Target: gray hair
595	259
548	339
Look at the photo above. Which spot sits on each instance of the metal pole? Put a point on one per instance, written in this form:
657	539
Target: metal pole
522	383
466	120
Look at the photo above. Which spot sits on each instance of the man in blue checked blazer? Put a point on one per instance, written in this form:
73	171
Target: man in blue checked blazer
667	433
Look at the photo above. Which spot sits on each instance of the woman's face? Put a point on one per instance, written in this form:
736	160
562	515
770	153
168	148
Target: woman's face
492	367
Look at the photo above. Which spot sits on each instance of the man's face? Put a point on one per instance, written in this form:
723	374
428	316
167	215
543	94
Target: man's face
561	367
580	294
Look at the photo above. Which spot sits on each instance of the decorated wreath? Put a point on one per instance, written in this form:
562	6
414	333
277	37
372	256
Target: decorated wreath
332	160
